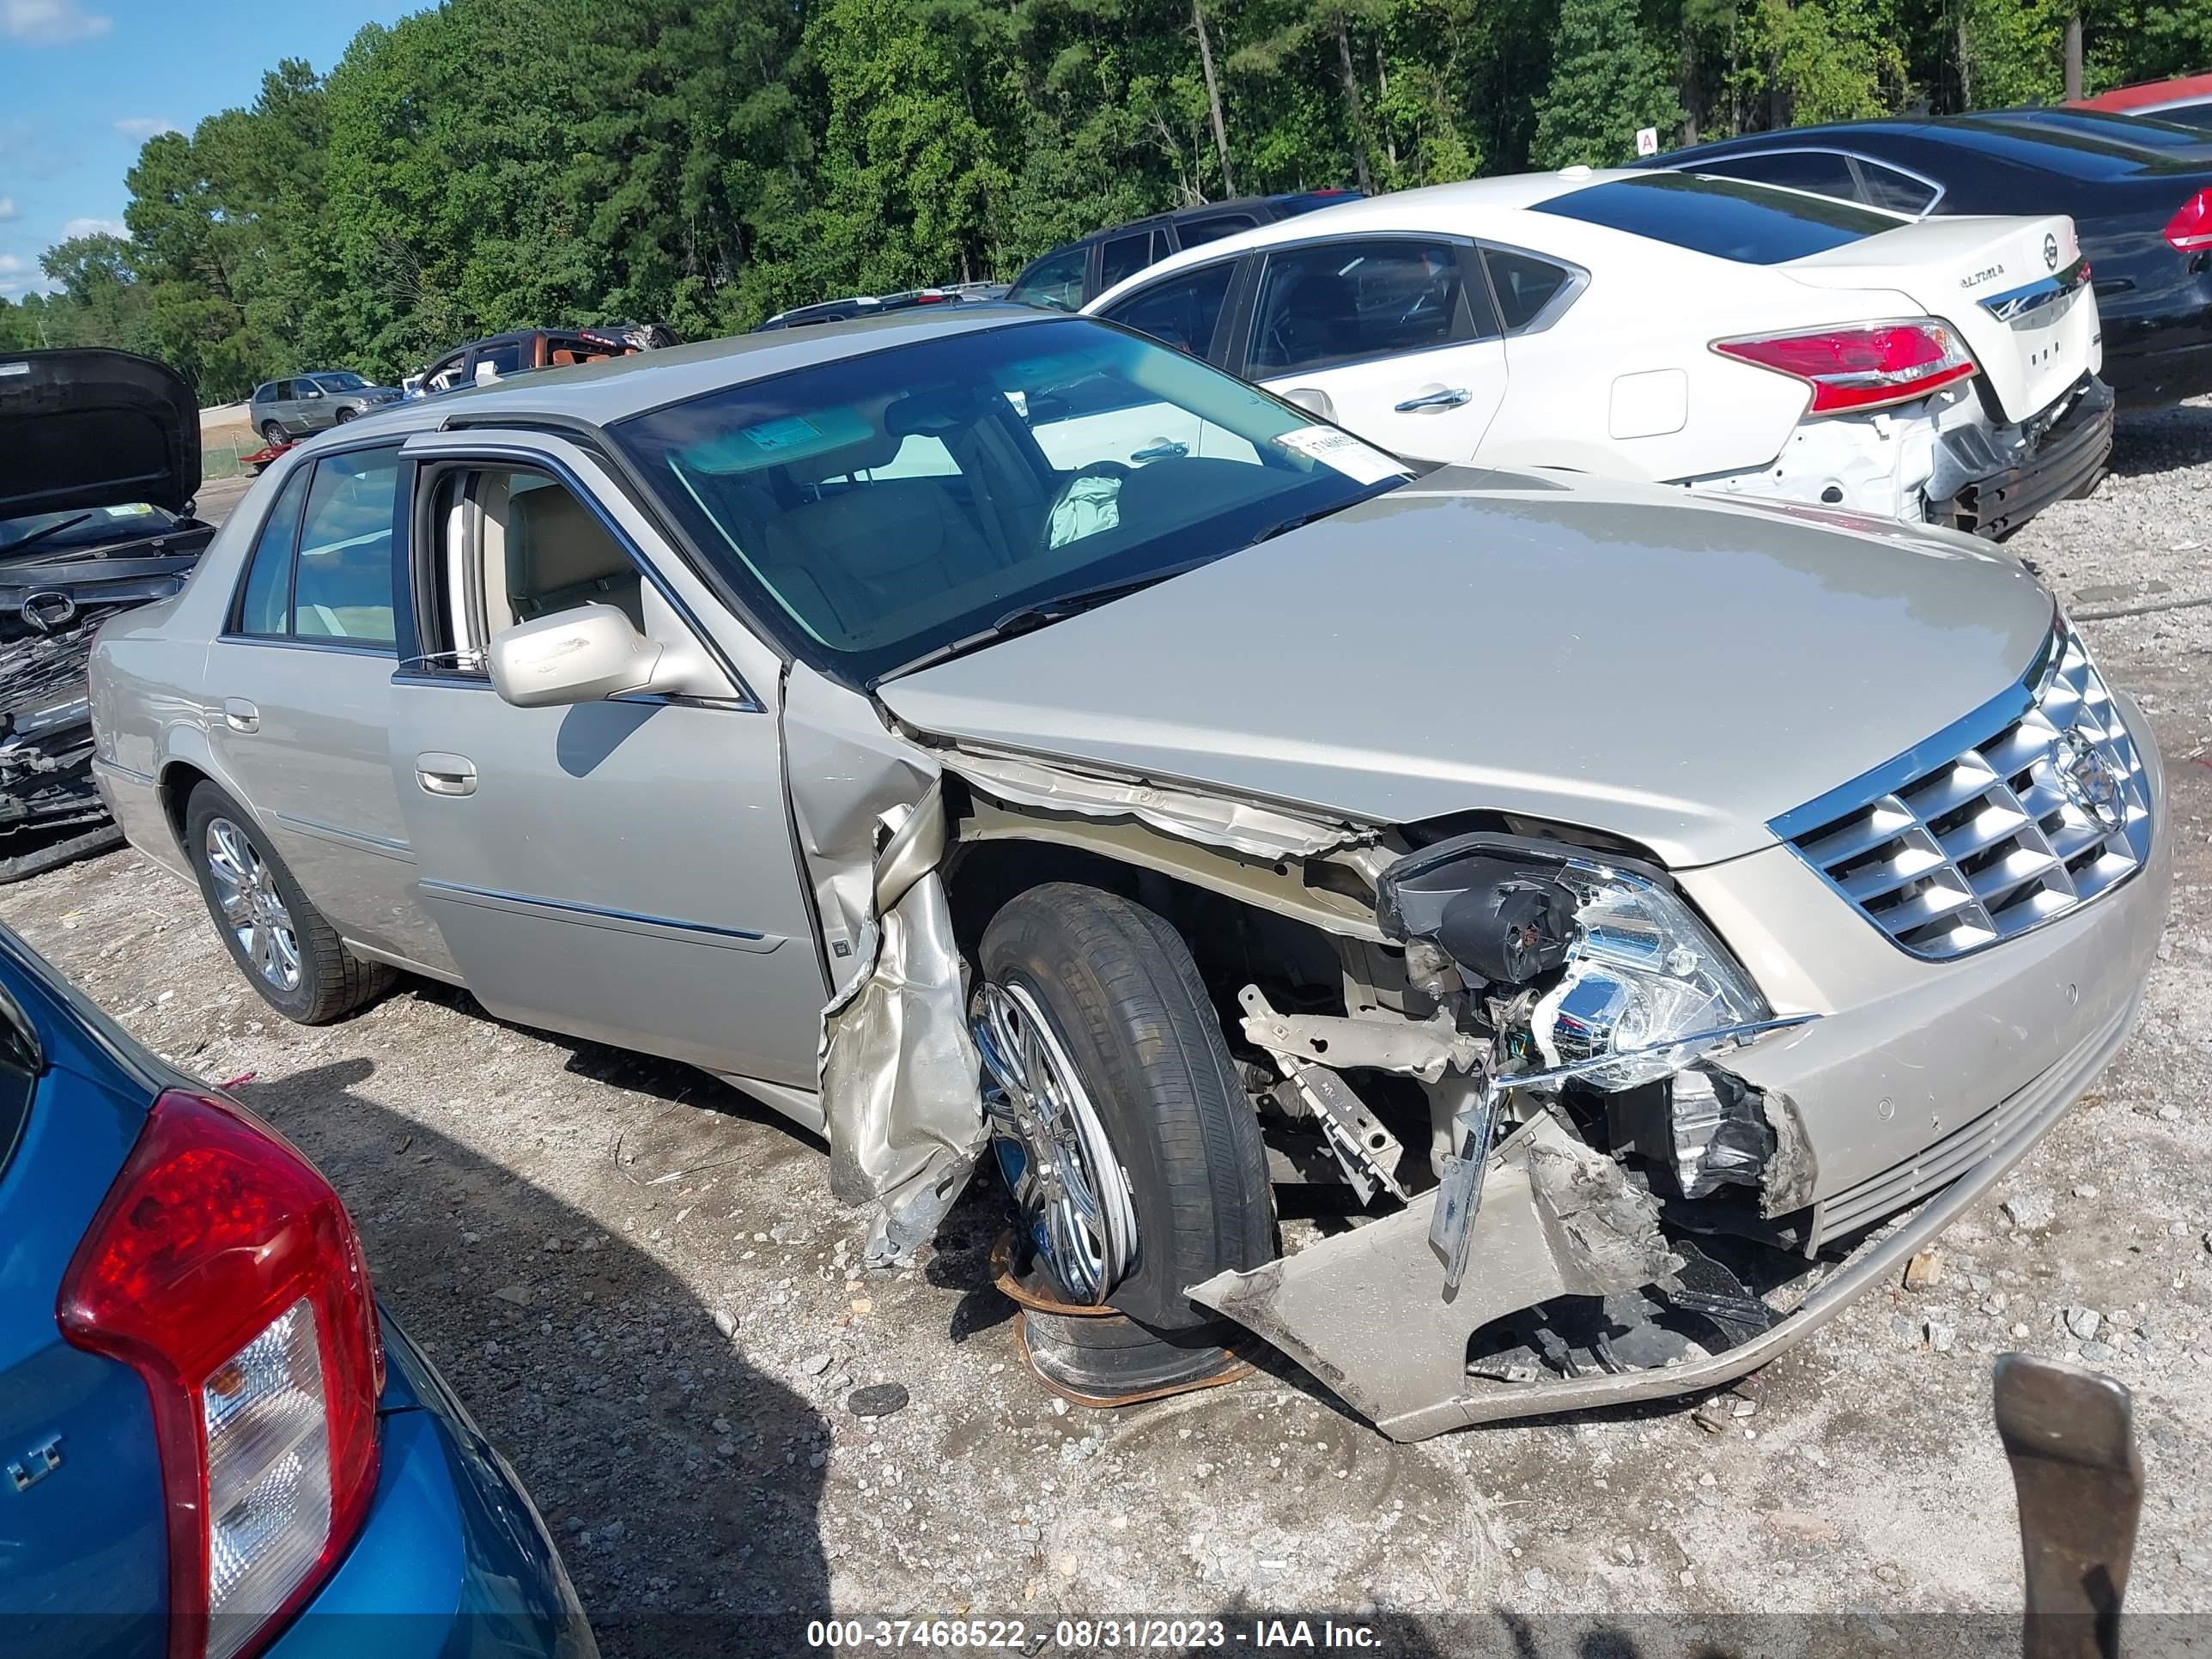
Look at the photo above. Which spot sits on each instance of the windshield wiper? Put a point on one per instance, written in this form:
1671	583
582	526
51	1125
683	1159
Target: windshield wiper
8	549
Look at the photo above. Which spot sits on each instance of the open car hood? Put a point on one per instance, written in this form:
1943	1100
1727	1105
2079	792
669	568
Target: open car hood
92	428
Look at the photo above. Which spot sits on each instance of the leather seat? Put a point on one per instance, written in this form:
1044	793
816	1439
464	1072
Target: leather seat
559	555
852	558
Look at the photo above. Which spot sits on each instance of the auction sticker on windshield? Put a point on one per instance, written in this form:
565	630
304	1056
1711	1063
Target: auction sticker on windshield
1361	463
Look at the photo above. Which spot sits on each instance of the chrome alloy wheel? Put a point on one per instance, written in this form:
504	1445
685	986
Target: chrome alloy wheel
1070	1189
246	892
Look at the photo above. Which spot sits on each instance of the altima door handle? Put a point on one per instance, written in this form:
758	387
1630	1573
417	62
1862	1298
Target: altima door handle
1442	397
441	773
241	715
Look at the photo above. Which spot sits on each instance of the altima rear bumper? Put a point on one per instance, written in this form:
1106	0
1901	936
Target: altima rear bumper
1987	497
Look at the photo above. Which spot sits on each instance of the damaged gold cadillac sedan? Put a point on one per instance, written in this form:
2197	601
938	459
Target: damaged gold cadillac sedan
1005	739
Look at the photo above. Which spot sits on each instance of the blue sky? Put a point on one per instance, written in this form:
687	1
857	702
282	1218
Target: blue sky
84	82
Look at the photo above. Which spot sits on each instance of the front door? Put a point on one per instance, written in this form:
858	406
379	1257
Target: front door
1394	338
622	869
303	678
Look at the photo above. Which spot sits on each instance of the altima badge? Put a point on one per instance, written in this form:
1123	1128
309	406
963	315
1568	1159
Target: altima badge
36	1465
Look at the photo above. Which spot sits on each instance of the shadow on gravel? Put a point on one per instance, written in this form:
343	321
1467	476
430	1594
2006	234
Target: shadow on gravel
2162	440
675	1475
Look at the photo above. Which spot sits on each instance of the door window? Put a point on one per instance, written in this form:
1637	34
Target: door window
324	574
1055	281
1341	303
1125	256
504	359
1900	193
1524	284
515	545
1182	309
1822	172
444	375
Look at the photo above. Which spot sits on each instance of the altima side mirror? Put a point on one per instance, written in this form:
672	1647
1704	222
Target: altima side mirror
583	655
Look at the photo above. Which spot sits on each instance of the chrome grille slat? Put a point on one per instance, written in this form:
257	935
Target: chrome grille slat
2041	809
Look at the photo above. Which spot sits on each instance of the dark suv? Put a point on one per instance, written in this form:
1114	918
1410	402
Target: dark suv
1072	275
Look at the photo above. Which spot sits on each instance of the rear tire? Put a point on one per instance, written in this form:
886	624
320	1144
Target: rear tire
271	432
1123	1003
282	944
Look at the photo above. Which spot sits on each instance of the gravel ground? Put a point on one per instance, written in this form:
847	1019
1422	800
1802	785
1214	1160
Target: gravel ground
637	1280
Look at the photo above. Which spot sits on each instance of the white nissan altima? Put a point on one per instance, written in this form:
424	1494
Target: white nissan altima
1670	327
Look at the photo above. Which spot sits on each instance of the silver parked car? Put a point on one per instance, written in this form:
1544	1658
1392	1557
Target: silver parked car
306	403
1629	900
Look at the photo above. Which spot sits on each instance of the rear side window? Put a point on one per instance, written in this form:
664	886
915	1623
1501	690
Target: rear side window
1125	256
2197	115
1055	281
1196	233
1726	218
1525	284
321	568
1341	302
1900	193
265	608
1182	310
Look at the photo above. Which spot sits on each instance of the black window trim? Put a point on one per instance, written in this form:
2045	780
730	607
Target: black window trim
1858	158
1241	346
1563	298
233	633
424	541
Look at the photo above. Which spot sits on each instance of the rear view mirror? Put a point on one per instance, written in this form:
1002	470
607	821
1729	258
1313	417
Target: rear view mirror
584	655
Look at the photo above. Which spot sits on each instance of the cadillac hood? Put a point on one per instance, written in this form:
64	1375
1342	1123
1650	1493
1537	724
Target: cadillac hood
92	428
1673	668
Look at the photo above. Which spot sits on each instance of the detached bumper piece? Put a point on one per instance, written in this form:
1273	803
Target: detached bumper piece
1991	492
1578	1293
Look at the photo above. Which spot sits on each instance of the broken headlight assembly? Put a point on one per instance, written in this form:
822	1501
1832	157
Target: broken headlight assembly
1629	986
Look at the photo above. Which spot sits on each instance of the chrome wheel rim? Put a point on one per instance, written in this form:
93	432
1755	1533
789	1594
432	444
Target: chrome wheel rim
246	894
1072	1191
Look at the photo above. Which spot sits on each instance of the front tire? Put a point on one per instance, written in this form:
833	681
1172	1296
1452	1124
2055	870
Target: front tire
282	944
345	414
1109	1064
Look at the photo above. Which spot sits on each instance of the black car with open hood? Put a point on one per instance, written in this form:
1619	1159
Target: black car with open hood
100	459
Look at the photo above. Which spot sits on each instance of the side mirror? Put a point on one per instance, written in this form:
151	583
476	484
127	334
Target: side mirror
313	391
1313	400
584	655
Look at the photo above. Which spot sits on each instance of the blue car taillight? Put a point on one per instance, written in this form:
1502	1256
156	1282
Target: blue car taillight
223	1269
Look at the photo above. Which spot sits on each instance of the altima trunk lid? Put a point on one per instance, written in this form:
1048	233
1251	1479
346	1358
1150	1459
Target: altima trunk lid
2016	290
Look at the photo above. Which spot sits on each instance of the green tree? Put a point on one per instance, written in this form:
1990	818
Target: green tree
1608	78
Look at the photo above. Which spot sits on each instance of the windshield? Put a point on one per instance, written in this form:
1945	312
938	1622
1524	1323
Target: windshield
43	534
344	380
897	502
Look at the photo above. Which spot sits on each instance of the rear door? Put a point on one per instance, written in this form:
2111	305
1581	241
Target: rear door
2015	289
1393	336
621	870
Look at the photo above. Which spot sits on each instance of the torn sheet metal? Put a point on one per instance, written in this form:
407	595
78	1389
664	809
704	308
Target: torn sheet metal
1420	1049
1367	1312
899	1075
1261	832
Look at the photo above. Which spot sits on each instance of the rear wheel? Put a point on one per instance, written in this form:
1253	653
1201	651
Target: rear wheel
280	941
1134	1155
271	432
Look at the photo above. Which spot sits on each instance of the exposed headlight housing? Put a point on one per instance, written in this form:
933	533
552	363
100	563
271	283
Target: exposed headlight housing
1625	967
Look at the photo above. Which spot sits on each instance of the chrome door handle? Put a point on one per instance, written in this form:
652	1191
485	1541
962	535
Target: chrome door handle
1162	449
1442	397
441	773
241	715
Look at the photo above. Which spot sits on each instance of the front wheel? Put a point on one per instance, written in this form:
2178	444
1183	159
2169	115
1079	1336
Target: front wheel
345	414
1133	1153
280	941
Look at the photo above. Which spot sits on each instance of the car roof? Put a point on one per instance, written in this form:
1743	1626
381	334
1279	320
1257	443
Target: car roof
2149	94
613	388
2079	143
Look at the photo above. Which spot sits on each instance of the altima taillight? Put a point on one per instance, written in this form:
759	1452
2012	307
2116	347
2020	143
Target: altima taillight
1866	366
2191	228
223	1270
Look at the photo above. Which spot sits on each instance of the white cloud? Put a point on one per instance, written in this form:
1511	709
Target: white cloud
18	276
7	208
50	23
146	126
94	227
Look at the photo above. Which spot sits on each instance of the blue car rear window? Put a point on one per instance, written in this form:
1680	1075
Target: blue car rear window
2083	143
1727	218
